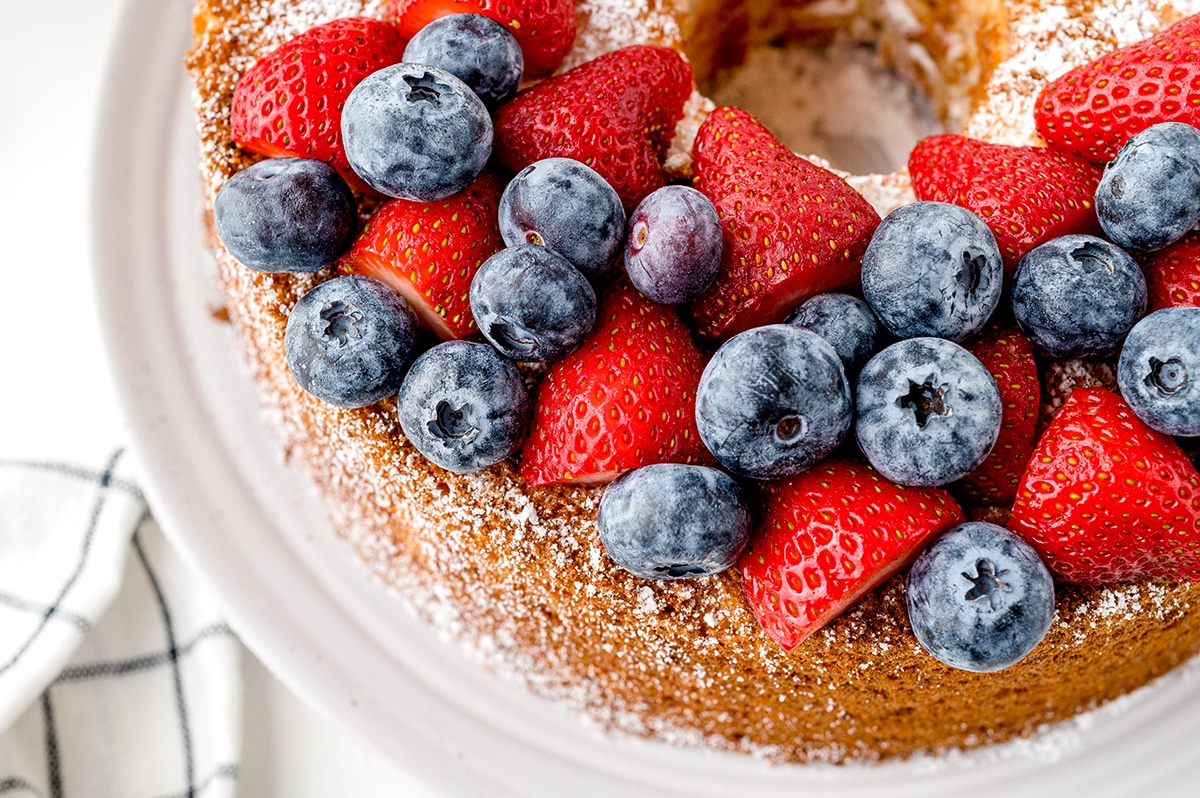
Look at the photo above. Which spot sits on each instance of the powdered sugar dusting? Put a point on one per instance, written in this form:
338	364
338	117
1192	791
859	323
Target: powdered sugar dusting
519	577
1050	38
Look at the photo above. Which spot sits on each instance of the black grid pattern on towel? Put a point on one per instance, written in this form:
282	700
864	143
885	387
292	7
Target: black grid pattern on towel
107	675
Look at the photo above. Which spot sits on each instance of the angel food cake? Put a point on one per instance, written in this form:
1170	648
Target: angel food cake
794	637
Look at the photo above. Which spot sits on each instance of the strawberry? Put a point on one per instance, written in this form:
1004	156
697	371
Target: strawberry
616	113
1008	357
1107	499
1094	109
1172	274
430	251
290	102
791	228
827	537
545	29
1025	195
625	398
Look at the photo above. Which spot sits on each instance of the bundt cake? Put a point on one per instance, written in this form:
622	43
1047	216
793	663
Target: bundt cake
519	572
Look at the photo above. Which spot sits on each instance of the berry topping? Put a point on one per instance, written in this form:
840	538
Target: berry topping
773	401
348	341
616	114
845	322
1159	371
1026	195
791	228
1093	110
1173	274
430	252
290	102
545	29
673	245
416	132
561	204
286	215
979	598
475	49
625	398
1150	193
1008	357
827	537
1078	296
531	304
932	269
672	521
927	413
1106	499
464	406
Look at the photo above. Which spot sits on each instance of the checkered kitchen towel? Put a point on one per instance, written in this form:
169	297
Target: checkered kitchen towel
117	675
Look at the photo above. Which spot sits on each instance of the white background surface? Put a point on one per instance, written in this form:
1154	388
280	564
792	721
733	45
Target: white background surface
56	399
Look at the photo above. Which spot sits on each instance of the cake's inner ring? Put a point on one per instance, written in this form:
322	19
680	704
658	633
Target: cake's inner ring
837	100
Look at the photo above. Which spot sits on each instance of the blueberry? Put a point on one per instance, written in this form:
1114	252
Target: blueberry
475	49
566	206
286	215
928	412
932	269
773	401
846	322
1149	195
464	406
348	340
416	132
673	249
979	598
531	304
672	521
1078	296
1159	371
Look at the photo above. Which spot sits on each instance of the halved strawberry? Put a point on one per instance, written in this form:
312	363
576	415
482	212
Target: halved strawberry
625	398
545	29
430	251
828	536
1107	499
1172	274
1025	195
791	228
1094	109
616	113
1008	357
290	102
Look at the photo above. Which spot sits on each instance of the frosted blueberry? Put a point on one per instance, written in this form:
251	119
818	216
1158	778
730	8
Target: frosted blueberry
1149	195
286	215
672	521
845	321
1159	371
673	246
416	132
927	412
568	207
932	269
979	598
349	339
773	401
1078	296
476	49
464	406
531	304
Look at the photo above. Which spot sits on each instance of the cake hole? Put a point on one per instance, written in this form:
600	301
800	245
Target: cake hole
836	100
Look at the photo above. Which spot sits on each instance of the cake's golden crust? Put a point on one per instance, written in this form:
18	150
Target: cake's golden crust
521	575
